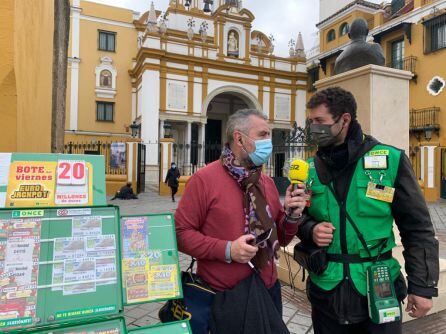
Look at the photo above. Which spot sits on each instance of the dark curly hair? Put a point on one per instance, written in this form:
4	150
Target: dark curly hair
337	100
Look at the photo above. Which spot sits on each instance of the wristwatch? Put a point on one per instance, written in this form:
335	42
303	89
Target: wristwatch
294	220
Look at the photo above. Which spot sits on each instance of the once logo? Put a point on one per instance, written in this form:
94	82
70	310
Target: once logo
28	213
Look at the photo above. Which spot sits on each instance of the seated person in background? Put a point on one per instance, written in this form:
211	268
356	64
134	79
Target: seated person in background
126	192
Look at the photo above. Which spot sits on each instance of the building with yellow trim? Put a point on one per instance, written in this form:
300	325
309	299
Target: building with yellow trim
412	34
179	75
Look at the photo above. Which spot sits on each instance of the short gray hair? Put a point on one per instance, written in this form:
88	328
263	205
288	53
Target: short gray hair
239	121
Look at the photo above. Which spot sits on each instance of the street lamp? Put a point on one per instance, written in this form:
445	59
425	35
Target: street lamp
135	129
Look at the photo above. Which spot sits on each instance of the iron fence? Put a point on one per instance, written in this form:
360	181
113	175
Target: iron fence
193	156
112	165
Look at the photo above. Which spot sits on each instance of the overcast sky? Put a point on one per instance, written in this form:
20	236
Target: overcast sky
282	18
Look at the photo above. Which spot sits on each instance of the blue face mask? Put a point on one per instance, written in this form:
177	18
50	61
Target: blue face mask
264	148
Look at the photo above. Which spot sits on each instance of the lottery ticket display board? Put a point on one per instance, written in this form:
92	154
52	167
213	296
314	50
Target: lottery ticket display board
46	180
150	270
180	327
58	266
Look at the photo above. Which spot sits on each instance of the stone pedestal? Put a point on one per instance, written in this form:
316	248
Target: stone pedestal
382	95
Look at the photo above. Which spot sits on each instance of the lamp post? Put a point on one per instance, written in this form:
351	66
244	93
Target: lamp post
135	129
167	127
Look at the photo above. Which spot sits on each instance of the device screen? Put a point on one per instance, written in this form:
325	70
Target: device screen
383	290
262	237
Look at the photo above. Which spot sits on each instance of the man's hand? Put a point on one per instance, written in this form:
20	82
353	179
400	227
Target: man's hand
295	201
241	250
417	306
323	234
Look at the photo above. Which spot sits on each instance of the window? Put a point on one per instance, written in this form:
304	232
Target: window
397	55
331	35
396	5
343	30
105	111
107	41
106	79
436	33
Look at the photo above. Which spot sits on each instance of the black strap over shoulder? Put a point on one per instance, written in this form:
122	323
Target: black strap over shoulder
344	257
355	258
352	223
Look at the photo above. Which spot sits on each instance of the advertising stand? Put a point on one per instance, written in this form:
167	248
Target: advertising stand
68	262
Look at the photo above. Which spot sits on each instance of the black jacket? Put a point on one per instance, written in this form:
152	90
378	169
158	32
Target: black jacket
246	309
125	192
411	217
172	177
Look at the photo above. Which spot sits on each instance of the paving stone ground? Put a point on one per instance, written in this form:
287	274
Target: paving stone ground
296	308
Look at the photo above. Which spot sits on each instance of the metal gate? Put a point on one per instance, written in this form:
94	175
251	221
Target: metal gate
294	145
141	179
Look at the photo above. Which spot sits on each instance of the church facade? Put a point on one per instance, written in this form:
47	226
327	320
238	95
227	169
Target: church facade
177	74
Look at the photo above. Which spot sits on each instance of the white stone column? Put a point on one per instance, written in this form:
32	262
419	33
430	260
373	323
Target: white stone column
74	60
430	166
150	105
188	139
300	108
161	129
201	140
422	170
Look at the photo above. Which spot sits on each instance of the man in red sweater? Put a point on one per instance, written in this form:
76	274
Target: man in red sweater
229	202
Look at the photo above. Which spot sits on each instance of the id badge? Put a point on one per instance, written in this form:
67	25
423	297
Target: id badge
380	192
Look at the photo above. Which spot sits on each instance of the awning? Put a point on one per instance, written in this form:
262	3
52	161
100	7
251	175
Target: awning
405	26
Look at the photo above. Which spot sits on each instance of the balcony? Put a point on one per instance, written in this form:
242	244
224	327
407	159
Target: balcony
406	64
424	120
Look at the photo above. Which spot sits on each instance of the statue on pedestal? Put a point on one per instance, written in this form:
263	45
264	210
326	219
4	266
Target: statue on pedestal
233	45
359	53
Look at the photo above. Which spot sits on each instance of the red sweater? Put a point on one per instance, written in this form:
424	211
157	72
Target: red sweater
210	214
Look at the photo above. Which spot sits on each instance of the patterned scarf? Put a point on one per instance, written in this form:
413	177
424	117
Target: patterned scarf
258	218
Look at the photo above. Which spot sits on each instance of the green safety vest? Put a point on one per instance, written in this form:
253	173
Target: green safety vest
372	217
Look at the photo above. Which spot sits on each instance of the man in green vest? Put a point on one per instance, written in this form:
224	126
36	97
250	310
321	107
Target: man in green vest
357	181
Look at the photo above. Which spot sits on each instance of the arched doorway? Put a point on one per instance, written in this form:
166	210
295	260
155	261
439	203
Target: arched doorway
219	106
200	143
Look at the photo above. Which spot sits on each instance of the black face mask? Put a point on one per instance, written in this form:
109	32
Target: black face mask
322	134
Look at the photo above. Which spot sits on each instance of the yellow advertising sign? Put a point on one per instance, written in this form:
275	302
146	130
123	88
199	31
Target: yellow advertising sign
31	183
49	183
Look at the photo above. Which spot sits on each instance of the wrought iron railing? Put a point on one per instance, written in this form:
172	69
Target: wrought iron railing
115	162
435	36
424	119
406	64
